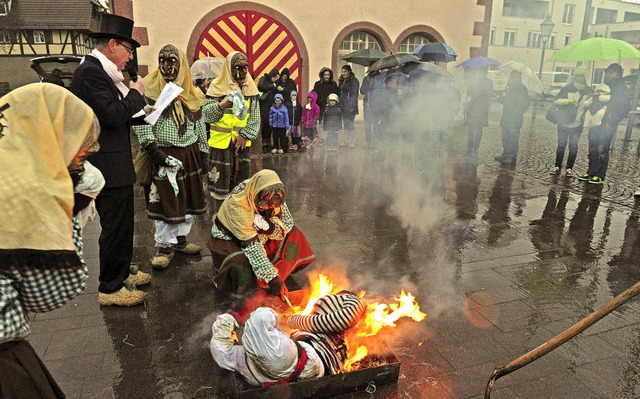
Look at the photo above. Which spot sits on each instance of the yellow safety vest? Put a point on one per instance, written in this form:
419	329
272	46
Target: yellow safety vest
227	129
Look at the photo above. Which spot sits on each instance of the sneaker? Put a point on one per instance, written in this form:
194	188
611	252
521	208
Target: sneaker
637	193
555	171
294	147
187	248
584	177
125	296
596	180
568	172
280	151
162	258
274	151
138	278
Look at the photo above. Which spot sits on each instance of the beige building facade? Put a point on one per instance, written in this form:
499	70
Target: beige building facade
306	36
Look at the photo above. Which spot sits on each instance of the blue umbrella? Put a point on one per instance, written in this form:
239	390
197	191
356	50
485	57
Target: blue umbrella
478	62
440	52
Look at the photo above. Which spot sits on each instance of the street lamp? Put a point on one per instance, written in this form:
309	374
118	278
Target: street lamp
546	27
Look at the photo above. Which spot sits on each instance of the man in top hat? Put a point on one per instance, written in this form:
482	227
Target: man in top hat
98	81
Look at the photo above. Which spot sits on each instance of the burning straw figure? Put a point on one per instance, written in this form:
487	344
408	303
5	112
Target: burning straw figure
254	242
268	356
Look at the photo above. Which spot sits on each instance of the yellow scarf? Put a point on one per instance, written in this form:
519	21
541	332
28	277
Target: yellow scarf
44	127
191	97
224	84
237	210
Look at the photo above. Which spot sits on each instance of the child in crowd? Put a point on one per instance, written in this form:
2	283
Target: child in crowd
279	121
310	116
332	121
294	108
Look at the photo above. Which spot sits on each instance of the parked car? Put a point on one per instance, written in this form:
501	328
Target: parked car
56	68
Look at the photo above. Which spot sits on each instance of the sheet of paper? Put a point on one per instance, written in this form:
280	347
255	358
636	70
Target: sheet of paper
169	93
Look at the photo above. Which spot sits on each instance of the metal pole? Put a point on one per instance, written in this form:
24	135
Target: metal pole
544	46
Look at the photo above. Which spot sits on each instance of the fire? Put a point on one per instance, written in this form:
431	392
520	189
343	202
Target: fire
379	315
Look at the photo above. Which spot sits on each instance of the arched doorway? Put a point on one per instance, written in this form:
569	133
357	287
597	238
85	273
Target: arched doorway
267	43
414	41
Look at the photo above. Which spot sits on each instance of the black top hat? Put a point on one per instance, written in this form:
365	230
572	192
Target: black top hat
115	26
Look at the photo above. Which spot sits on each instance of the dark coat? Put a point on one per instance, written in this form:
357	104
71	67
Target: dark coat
515	103
349	89
287	87
268	90
332	119
479	92
93	86
323	89
295	113
620	104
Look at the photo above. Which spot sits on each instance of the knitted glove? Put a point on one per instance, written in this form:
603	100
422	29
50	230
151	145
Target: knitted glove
157	155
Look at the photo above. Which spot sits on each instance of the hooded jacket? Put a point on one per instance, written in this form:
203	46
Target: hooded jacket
323	89
295	111
287	87
279	116
311	115
349	89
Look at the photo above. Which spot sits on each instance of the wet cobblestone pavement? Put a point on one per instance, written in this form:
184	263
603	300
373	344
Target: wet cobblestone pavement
501	259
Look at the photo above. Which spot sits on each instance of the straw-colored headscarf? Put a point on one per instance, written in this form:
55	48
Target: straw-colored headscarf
43	128
191	97
238	210
224	84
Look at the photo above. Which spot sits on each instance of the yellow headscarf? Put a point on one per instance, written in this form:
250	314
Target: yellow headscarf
237	210
224	84
44	126
191	97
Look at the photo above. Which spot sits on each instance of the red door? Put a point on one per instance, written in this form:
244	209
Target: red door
266	42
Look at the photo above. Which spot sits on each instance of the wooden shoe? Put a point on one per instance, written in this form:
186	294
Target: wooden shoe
188	248
162	258
123	297
137	277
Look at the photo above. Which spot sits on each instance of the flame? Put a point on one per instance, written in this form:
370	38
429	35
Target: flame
379	315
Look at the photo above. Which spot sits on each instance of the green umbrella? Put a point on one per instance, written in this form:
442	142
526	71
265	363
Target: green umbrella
596	49
365	56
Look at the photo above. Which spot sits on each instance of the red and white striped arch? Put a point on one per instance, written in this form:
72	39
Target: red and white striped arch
266	42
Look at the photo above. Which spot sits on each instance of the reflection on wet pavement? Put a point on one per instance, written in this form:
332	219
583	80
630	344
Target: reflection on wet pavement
501	259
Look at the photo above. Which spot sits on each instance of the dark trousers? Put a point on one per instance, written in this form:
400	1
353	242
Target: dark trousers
369	127
265	131
510	141
475	135
600	138
115	207
570	135
280	140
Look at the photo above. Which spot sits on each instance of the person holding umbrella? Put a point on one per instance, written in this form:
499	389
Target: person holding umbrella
600	137
515	102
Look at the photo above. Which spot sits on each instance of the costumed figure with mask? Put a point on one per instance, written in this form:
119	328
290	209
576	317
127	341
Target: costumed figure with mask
268	356
233	111
46	133
177	144
253	240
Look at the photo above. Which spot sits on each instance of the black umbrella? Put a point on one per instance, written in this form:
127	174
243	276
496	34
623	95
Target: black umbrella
393	61
439	52
365	56
426	67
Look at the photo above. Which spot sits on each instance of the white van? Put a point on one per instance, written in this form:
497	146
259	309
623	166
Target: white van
552	82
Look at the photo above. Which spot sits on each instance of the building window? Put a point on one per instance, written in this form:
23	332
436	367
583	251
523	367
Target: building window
631	16
4	8
598	76
509	38
412	42
492	36
359	40
567	39
38	36
605	16
567	16
552	41
534	39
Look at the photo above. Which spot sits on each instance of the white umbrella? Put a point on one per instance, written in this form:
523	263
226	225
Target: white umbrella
206	68
529	78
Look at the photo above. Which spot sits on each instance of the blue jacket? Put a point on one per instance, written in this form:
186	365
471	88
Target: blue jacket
279	117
